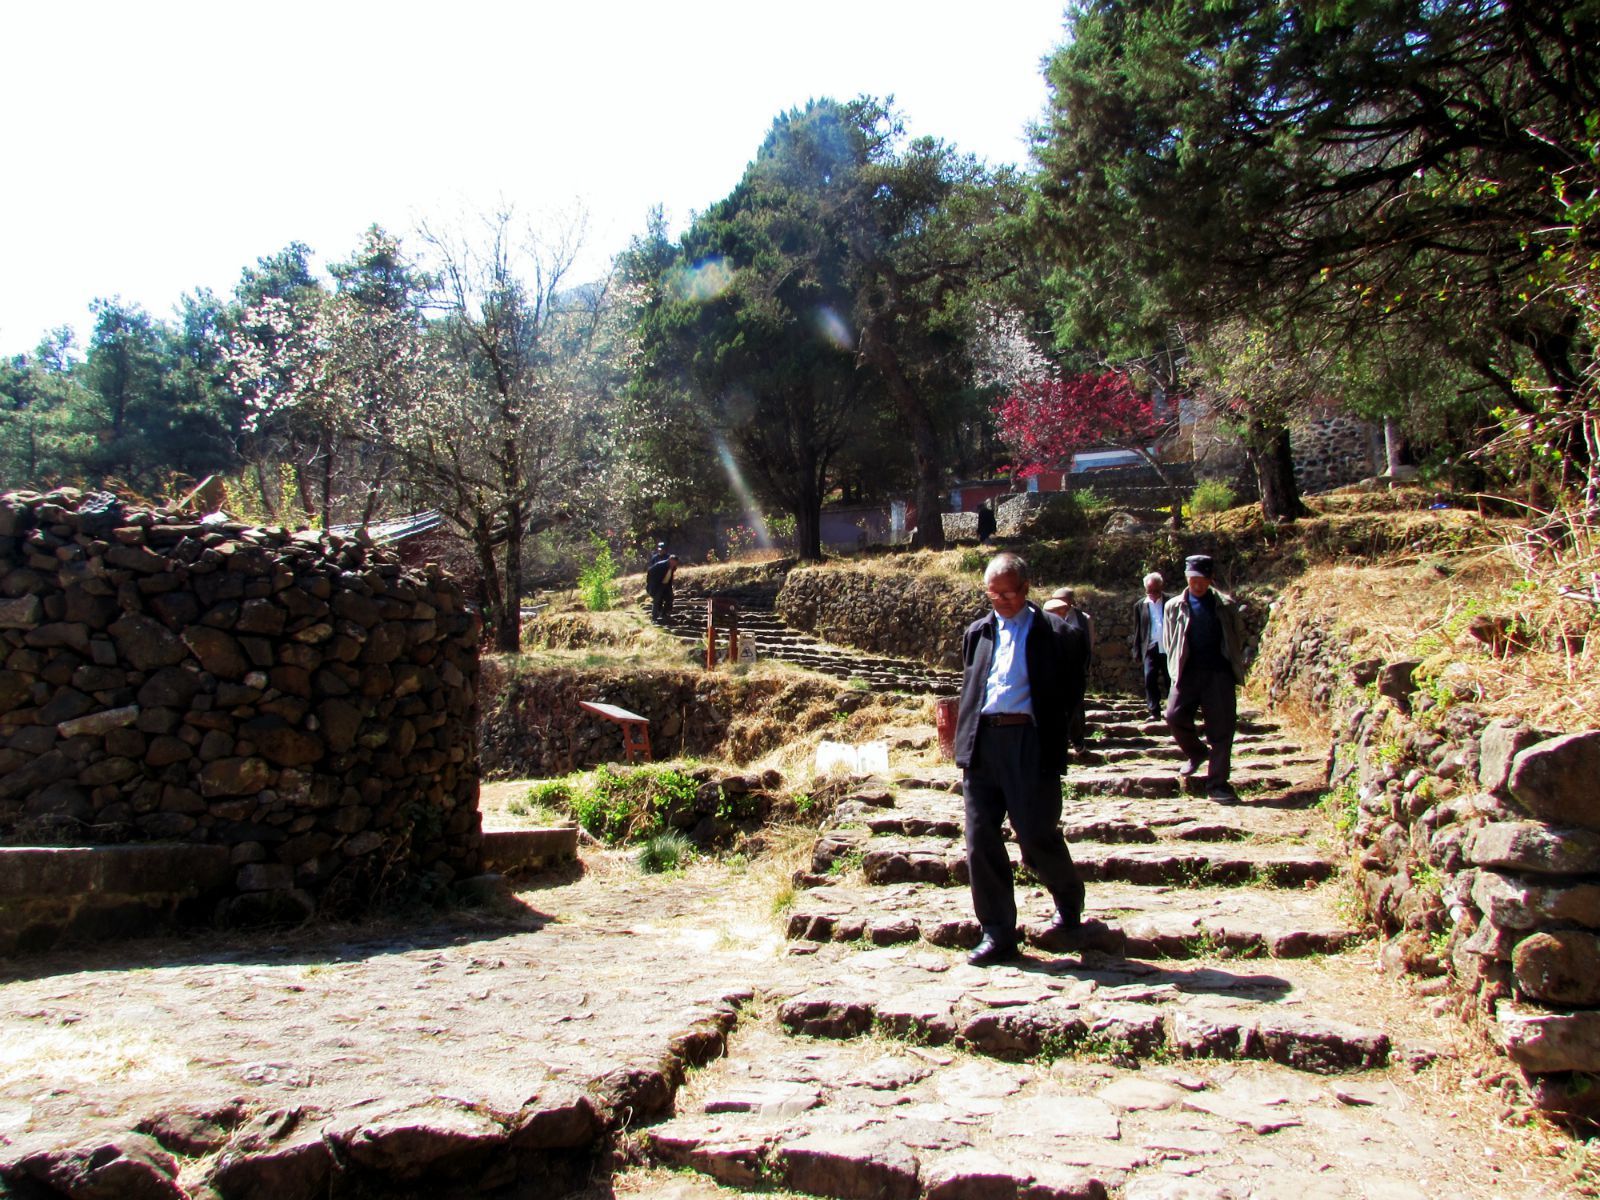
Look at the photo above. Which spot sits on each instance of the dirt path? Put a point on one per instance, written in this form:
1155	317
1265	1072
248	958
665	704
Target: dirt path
1235	1040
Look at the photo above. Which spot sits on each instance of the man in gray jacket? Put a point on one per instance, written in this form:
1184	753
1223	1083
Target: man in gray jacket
1204	643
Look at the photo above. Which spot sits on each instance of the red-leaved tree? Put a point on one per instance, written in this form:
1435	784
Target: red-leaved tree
1047	421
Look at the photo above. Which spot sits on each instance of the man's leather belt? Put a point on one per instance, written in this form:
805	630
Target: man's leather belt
1005	719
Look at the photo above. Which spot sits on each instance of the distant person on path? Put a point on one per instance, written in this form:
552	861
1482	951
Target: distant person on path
658	583
986	519
1204	645
1062	603
1147	651
1023	674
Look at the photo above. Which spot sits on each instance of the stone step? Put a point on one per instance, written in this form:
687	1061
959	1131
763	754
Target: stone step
861	1119
905	1076
1145	921
927	812
942	860
1152	1021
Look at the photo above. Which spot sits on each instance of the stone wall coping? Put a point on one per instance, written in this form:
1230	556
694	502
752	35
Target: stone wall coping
145	868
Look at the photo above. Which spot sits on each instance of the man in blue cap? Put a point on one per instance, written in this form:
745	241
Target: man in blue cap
1203	640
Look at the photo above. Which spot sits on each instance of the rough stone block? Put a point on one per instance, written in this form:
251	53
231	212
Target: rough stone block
1543	1042
1559	966
1555	779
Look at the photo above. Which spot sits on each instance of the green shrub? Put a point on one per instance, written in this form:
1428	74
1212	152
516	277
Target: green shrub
595	582
1090	501
546	800
1211	496
664	852
630	805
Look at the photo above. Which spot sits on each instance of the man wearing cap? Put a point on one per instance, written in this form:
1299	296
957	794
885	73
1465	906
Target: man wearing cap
1204	644
1147	652
1063	603
1023	674
658	582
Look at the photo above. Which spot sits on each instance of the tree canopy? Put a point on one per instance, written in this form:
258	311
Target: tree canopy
1368	166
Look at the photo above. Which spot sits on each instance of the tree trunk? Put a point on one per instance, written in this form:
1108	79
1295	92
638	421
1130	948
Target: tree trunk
508	631
1392	446
808	529
875	348
1272	455
483	547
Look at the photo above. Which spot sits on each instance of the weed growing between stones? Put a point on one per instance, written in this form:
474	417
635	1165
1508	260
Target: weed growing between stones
1204	944
783	899
668	851
847	863
1342	805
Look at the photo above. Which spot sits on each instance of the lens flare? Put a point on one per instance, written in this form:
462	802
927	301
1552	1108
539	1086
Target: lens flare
833	328
747	501
705	280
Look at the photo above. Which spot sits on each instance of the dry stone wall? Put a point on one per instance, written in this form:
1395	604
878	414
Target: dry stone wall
299	698
1476	847
893	612
1333	451
535	729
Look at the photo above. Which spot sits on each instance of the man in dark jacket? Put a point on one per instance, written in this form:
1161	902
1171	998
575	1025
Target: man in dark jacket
1147	652
658	584
1204	643
1023	676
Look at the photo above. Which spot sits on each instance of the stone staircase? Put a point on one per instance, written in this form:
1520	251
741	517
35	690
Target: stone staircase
1202	1048
774	639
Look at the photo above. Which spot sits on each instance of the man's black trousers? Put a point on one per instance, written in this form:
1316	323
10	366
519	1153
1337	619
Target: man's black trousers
1005	779
1212	692
1157	683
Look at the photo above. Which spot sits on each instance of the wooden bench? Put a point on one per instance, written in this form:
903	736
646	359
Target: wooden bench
635	729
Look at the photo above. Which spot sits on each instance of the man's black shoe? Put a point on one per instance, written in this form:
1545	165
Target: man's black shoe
1190	767
1067	936
1222	793
988	952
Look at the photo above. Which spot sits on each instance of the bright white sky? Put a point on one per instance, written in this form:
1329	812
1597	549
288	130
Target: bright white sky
160	146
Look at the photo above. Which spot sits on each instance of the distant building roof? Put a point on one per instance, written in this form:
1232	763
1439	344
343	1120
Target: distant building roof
384	533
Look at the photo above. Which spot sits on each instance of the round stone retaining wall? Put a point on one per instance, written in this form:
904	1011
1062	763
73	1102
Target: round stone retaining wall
897	612
299	698
1475	847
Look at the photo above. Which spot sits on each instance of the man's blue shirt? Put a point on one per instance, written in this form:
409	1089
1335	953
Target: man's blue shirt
1006	689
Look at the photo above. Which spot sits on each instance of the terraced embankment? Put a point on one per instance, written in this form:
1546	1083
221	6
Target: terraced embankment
774	639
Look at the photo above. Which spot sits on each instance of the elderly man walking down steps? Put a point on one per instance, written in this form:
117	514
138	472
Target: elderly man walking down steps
1023	675
1204	645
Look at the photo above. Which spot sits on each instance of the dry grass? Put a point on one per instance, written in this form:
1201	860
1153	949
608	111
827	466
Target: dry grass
1541	659
51	1054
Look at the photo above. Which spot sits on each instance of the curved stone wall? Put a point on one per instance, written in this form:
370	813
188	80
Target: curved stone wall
885	611
299	698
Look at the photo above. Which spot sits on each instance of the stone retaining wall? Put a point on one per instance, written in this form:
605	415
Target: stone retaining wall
1332	451
298	698
895	612
535	728
1476	847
